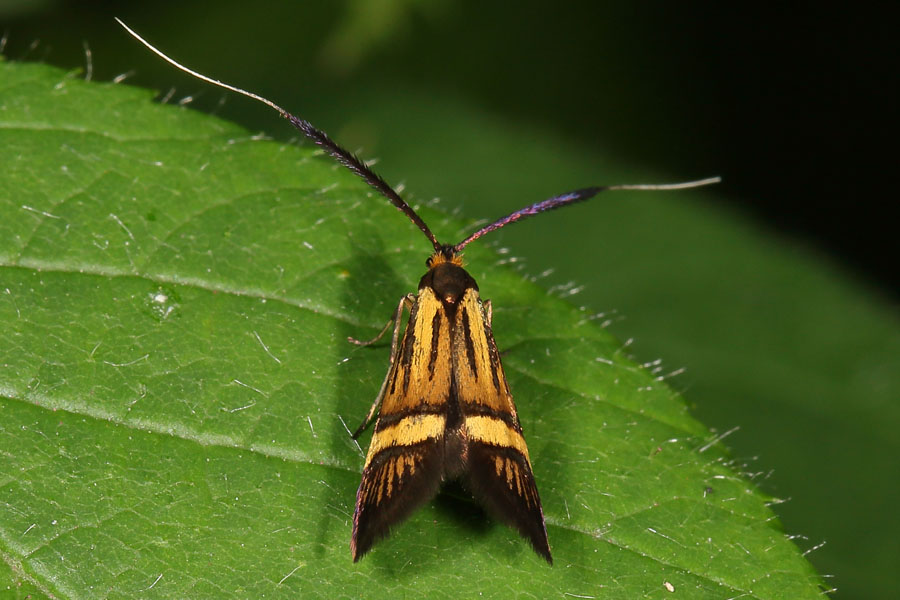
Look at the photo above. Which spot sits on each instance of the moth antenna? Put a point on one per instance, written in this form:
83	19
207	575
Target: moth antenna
319	137
577	196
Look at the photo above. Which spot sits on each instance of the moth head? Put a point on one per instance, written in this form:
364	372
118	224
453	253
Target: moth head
444	254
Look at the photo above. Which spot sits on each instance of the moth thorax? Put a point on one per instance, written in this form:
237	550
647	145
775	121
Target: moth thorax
448	281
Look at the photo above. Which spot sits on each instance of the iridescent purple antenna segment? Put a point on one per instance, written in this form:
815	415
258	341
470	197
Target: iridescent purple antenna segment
357	166
572	198
539	207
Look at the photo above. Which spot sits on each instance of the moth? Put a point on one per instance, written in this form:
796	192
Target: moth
444	410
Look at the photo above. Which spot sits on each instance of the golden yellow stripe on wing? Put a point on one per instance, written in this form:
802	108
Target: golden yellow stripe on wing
493	431
406	432
476	362
421	373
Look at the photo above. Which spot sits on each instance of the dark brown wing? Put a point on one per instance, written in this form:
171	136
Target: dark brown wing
404	465
499	470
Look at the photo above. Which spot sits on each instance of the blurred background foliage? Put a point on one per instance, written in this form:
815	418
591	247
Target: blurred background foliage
777	293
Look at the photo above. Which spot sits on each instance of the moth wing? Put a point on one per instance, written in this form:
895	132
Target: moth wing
394	484
404	465
502	480
499	470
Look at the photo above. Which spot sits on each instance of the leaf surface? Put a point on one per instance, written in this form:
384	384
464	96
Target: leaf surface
176	385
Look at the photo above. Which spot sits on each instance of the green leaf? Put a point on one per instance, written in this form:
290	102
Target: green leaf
775	338
176	385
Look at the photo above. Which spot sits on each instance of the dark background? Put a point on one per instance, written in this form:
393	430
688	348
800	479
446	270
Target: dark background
792	104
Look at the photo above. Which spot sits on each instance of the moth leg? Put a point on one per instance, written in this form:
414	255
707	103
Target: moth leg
406	302
387	326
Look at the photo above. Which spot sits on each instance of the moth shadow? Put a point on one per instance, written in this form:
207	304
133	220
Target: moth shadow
456	506
458	521
368	286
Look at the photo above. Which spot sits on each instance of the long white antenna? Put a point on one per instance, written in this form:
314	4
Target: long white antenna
666	186
362	170
200	76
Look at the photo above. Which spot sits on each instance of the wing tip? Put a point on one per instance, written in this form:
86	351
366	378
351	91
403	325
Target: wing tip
356	551
512	497
539	542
